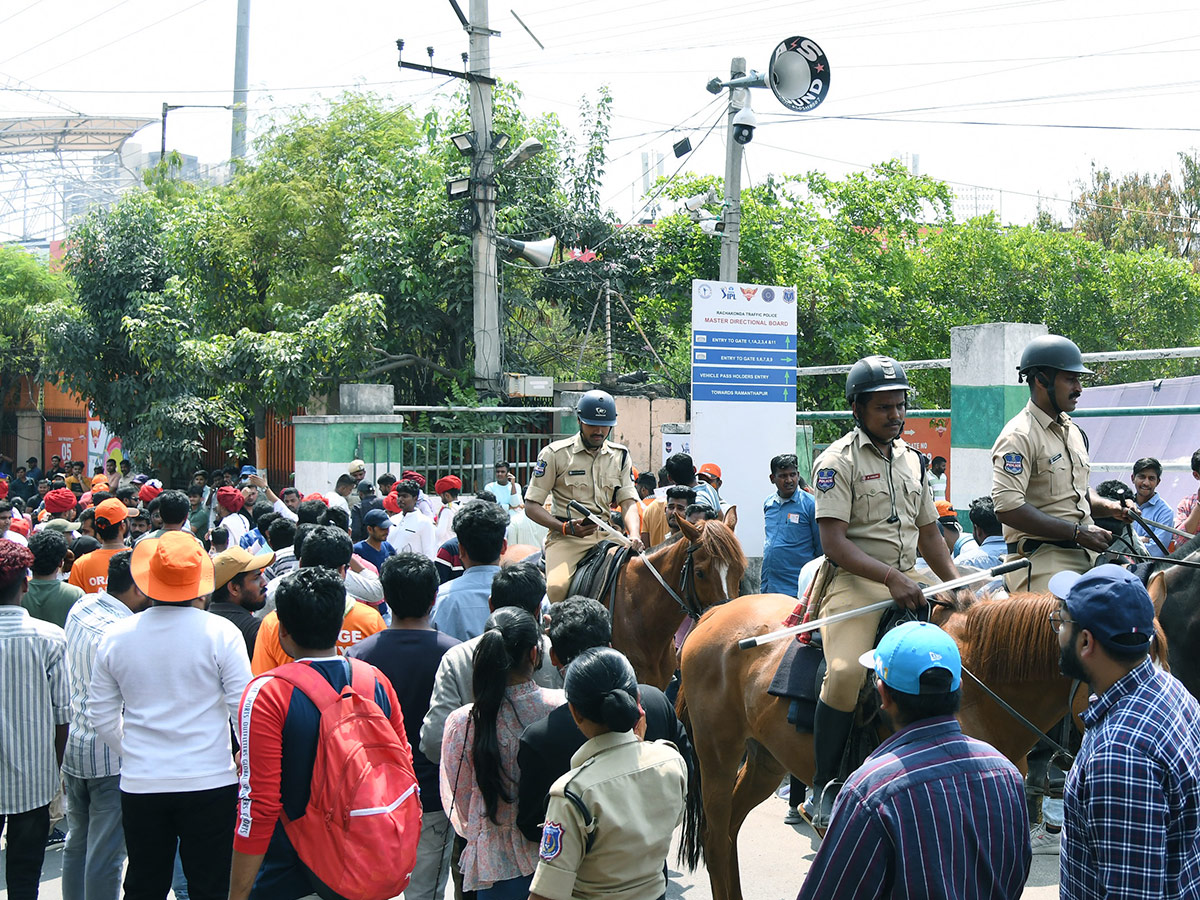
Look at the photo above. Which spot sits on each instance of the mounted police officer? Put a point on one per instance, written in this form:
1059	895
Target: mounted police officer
875	512
591	470
1040	471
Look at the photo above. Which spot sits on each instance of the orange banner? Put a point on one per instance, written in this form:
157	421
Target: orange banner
65	439
931	436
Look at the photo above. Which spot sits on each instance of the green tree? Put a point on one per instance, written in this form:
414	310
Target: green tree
26	283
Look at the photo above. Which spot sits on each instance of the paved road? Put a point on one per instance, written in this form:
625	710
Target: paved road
774	859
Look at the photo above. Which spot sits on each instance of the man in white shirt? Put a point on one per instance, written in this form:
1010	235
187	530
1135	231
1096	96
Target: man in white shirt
337	497
412	531
448	488
165	686
937	478
505	488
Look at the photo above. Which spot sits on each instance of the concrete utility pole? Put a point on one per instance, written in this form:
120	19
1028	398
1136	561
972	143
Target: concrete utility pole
732	213
483	192
241	81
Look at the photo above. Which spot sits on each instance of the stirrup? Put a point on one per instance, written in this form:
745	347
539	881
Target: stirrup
818	809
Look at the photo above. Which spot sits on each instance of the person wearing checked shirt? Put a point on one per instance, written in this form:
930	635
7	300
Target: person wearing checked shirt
591	470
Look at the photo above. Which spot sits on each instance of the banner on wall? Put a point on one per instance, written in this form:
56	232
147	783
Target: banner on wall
930	435
67	440
102	445
743	390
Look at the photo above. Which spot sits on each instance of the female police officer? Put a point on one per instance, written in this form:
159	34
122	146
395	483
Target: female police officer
874	512
609	820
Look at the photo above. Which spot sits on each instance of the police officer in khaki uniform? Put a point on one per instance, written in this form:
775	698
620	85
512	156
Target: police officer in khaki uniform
874	511
1040	471
591	470
609	820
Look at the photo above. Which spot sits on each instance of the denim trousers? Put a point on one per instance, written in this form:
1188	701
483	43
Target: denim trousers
26	851
95	850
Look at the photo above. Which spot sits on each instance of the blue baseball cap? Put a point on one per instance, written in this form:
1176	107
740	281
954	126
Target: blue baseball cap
910	650
1111	603
247	471
377	518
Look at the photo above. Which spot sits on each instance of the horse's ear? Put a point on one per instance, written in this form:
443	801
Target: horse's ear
730	518
689	531
1158	590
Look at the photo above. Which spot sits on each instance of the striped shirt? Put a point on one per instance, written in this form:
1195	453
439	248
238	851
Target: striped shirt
931	814
34	698
1131	825
87	756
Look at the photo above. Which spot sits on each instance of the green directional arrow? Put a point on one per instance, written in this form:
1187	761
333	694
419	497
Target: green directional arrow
785	394
789	342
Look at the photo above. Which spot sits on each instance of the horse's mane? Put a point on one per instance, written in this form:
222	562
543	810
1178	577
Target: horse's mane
722	543
1009	639
1180	553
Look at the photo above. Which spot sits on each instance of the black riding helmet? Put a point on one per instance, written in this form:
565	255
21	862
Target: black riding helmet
1052	351
597	408
875	373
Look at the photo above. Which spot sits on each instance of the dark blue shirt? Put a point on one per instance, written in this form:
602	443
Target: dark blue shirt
410	658
792	539
375	557
1131	823
931	815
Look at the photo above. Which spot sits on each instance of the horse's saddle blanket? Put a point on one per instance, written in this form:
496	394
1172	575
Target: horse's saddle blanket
596	575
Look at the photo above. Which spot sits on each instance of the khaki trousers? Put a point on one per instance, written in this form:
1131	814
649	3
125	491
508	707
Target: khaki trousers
563	553
846	641
1047	561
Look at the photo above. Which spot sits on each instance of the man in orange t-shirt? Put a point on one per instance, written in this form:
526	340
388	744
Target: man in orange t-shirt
330	548
90	571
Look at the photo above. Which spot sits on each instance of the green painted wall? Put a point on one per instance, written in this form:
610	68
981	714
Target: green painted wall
981	412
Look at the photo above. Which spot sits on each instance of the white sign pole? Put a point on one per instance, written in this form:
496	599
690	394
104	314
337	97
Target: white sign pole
743	391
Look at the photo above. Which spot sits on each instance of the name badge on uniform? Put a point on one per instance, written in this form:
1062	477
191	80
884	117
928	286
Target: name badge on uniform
871	477
577	472
1055	458
825	479
551	846
794	518
540	469
1013	463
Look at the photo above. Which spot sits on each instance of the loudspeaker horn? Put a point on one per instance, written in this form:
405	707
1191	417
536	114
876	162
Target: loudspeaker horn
798	74
536	253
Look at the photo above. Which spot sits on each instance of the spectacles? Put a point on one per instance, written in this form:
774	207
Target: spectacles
1057	621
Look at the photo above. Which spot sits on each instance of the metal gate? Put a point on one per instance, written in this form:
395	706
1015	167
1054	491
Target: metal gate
472	457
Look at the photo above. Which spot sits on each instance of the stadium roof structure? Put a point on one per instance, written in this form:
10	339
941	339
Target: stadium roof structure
96	134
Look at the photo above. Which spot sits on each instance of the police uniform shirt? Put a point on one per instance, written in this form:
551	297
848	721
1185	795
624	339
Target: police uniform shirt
856	484
1043	462
635	793
566	471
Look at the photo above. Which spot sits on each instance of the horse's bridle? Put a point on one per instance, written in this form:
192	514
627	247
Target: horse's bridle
686	583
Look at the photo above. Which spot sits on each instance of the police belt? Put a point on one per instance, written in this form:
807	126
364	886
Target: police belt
1029	546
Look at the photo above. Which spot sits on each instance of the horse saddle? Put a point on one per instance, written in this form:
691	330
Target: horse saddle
597	574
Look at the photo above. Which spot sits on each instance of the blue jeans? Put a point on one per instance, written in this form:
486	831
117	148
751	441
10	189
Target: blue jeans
95	850
509	889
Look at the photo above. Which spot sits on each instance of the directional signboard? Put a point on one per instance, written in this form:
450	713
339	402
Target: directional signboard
743	390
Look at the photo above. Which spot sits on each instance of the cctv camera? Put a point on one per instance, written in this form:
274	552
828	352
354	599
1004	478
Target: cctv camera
744	124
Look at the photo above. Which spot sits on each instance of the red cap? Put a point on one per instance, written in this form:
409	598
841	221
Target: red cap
60	500
447	483
231	498
315	496
391	503
414	476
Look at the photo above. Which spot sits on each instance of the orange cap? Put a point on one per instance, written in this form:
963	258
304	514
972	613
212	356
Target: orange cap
711	469
173	568
110	512
944	508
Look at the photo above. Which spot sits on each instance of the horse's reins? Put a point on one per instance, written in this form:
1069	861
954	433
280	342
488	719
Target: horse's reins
622	539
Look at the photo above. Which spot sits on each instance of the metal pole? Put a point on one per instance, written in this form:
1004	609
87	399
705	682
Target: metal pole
732	212
608	351
241	81
483	193
163	152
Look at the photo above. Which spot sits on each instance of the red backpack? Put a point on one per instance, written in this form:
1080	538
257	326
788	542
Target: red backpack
360	830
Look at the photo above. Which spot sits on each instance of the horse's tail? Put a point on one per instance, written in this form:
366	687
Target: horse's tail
691	843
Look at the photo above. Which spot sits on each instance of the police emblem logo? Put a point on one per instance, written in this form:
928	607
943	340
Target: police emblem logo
789	295
705	291
1013	463
552	834
768	295
540	469
825	479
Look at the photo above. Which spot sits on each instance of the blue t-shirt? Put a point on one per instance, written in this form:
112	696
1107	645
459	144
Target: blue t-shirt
375	557
792	539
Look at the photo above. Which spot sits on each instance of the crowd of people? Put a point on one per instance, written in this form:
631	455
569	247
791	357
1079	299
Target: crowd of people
170	661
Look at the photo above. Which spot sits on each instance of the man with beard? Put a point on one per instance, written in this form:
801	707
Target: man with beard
587	469
678	500
239	590
1132	799
1040	471
874	513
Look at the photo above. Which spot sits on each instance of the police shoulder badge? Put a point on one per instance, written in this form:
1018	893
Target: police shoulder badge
1013	463
825	479
540	469
552	834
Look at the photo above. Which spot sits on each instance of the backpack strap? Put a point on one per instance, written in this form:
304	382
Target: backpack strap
362	678
309	682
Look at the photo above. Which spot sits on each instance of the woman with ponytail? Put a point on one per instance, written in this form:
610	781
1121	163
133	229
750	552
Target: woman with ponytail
479	756
610	819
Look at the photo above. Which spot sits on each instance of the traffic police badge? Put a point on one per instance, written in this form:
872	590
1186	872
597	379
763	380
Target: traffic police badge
552	834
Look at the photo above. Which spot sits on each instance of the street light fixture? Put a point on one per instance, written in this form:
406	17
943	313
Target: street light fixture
526	150
458	188
465	143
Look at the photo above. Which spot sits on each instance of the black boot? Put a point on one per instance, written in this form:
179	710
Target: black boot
831	730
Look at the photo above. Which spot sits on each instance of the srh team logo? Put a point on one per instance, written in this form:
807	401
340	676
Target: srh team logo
749	293
768	295
705	291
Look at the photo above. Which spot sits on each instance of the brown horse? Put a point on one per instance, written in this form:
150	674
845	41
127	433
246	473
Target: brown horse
704	566
744	744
